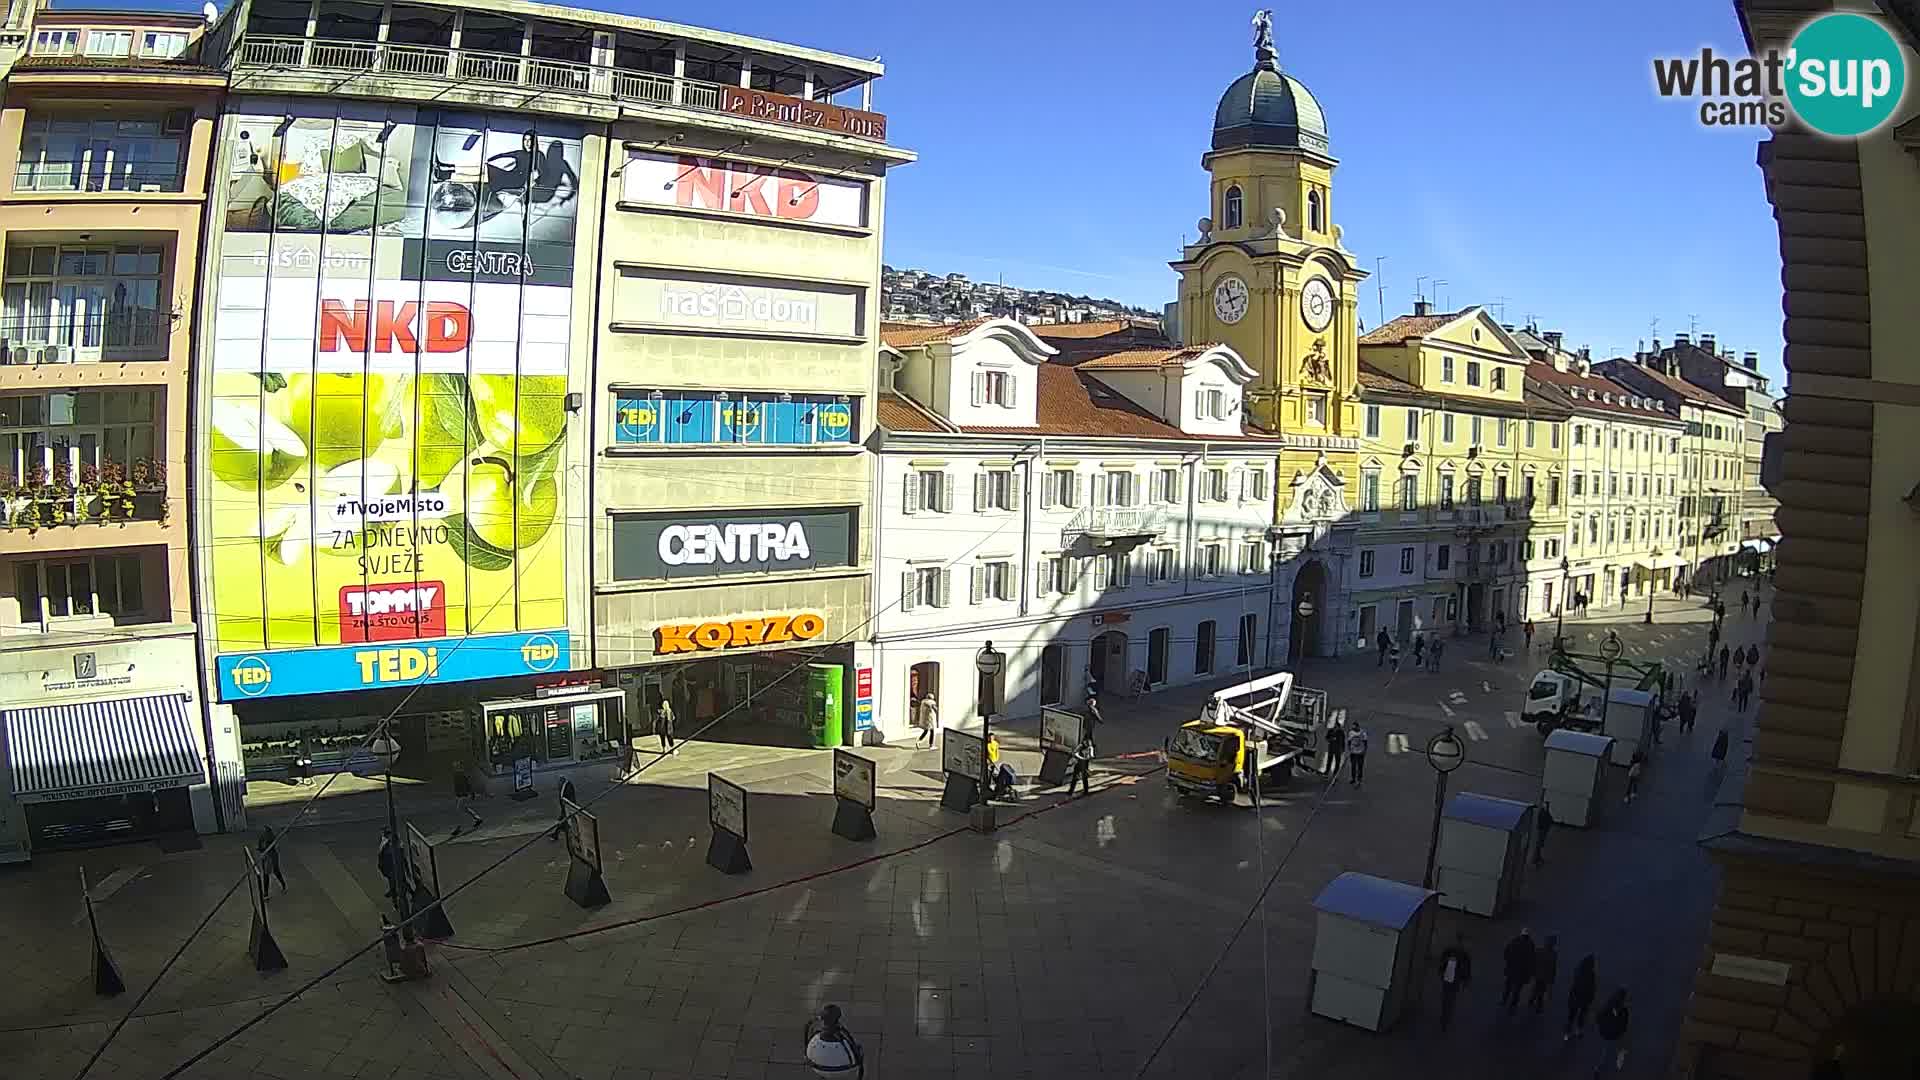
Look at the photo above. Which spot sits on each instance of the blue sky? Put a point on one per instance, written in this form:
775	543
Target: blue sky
1515	149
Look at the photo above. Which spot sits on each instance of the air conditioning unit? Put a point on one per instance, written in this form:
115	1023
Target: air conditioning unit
1474	450
176	122
1412	447
56	354
19	355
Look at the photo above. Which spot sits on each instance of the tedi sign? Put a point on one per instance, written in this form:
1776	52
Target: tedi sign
669	545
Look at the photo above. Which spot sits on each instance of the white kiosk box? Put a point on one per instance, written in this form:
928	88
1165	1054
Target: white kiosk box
1630	722
1573	784
1370	949
1484	846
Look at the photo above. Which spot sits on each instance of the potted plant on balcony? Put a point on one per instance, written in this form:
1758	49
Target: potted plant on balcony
13	499
144	491
87	495
57	495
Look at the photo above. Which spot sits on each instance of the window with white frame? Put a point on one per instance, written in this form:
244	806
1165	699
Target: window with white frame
1500	489
1373	421
109	42
56	43
1050	576
1406	560
1499	378
1210	404
1579	484
1473	491
1366	562
163	44
1553	491
1317	409
1446	491
1553	547
996	489
1166	484
83	298
1528	551
1579	435
1443	557
1214	486
73	435
992	580
1410	491
993	388
1526	489
1613	439
925	586
51	590
1446	427
1161	564
1475	441
1446	369
1213	558
928	491
1060	487
1116	570
1530	435
1413	425
1253	557
1553	436
1473	373
1500	432
1115	488
1256	484
1369	491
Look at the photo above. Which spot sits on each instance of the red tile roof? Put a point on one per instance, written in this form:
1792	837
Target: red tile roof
1138	359
1374	379
909	335
1402	327
1678	386
1087	329
1071	402
1594	390
898	413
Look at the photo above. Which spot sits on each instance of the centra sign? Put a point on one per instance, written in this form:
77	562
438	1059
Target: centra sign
745	542
738	633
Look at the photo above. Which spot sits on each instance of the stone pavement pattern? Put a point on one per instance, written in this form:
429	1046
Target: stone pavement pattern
1061	946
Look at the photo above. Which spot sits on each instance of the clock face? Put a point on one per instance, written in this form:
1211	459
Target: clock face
1316	304
1230	299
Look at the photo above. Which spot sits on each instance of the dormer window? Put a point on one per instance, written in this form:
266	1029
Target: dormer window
1315	217
1210	404
1232	208
993	388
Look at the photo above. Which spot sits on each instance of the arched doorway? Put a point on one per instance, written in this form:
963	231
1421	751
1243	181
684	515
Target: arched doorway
1107	666
1871	1041
1309	611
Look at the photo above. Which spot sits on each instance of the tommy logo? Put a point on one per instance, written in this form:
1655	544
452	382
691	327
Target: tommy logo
393	612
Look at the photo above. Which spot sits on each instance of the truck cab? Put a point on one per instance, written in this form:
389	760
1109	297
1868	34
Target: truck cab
1553	700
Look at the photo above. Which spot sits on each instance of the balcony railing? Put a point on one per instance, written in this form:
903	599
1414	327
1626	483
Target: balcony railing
477	66
97	174
106	335
1116	523
105	494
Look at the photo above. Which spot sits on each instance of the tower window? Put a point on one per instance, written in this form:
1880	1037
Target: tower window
1231	211
1314	215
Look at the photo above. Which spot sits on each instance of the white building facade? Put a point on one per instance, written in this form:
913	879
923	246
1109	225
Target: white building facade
1102	522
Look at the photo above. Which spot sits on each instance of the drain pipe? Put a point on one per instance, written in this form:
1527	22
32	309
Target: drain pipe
1029	457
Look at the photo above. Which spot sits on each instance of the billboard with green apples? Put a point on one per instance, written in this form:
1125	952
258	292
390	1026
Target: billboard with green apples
385	441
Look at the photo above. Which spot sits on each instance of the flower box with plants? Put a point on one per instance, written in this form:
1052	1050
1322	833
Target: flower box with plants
107	492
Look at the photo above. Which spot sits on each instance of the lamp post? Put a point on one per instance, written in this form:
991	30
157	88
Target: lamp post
989	662
387	749
1610	651
1656	556
1305	610
1560	617
1445	753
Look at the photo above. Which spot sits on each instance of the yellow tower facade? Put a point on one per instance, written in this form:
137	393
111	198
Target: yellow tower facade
1270	277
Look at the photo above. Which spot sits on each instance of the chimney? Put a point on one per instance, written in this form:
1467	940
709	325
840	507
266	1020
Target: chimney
1656	344
1683	339
1751	360
1422	307
1552	338
1707	343
1586	353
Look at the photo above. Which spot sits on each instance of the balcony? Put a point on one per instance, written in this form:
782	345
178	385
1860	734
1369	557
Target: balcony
543	76
96	175
1113	524
106	336
107	494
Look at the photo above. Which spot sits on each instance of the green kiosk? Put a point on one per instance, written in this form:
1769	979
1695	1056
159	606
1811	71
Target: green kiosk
825	703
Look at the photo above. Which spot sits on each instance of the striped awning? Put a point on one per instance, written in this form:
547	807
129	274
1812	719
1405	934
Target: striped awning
93	748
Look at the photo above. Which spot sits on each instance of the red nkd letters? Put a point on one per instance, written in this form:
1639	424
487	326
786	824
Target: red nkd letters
397	326
722	185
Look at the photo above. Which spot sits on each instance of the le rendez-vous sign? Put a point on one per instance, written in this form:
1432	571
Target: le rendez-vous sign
763	105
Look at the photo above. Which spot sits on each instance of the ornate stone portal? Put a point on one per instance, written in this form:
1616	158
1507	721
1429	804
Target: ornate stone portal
1316	529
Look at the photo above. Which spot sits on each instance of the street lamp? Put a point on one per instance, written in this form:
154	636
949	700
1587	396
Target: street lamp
387	750
1445	753
1656	556
989	662
1560	617
1610	651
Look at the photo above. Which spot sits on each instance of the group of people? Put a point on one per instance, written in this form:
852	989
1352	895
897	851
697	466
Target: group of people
1426	651
1346	743
1528	971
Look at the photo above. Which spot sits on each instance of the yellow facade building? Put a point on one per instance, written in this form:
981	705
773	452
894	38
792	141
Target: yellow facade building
1270	278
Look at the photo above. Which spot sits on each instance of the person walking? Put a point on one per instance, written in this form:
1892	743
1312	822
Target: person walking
1580	997
1725	657
1635	768
831	1048
1082	767
269	861
390	864
565	824
1743	690
1713	638
1753	656
1495	640
1743	602
1382	641
1526	629
926	717
1356	754
1611	1022
1419	652
1433	653
663	725
1720	748
1094	721
1456	971
1546	965
1336	747
1542	825
1393	657
463	792
1689	711
1518	968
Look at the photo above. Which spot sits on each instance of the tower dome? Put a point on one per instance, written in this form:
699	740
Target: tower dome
1269	108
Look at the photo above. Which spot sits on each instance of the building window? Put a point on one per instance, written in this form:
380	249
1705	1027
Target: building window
925	586
1443	557
995	489
1373	421
1500	490
1528	551
1446	492
109	42
50	590
1161	564
1370	491
1060	487
1579	484
1499	378
1210	404
1526	489
1410	492
1314	219
1406	560
1215	487
1553	436
1579	435
1446	369
1473	491
1253	557
56	43
928	491
1473	373
1529	434
1256	483
1413	425
1050	576
1474	426
1613	530
78	437
1553	548
1232	208
1203	648
1446	427
1593	530
993	388
992	581
1317	409
1613	484
163	45
1213	558
1553	491
1366	562
1500	433
1249	635
1613	439
1116	488
1165	484
78	304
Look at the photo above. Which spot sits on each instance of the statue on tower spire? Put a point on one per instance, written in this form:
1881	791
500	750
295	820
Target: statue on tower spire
1263	51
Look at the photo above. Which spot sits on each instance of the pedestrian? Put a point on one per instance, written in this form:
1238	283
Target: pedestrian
926	717
1743	601
1542	825
1433	653
1336	747
269	861
1527	629
1094	720
663	725
1546	965
1393	657
1500	622
565	824
1419	652
1580	997
1611	1022
1518	969
463	791
1382	641
390	864
1456	971
1082	766
1745	689
1494	641
1689	711
1356	754
1725	657
1713	638
831	1048
1635	768
1753	656
303	763
1720	747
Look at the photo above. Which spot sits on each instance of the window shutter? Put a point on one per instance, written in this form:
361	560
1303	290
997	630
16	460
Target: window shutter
1074	482
1153	487
1046	488
943	594
909	591
1099	490
1199	403
1013	490
1040	578
910	494
979	589
979	492
946	493
1178	475
979	388
1239	485
1013	390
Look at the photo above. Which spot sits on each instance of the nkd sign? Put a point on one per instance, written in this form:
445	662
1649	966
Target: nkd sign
652	546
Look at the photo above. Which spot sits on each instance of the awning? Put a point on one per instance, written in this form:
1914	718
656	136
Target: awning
93	748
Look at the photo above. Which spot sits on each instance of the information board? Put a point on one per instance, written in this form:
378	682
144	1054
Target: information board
583	836
727	805
853	778
1060	729
963	753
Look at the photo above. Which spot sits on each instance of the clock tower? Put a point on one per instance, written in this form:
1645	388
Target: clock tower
1270	277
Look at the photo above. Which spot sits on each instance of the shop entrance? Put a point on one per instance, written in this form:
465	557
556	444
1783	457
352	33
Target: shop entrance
1476	606
111	818
923	678
1159	643
1107	667
1053	674
557	730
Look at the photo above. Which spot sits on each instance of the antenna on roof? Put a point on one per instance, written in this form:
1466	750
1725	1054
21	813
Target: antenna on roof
1500	306
1380	289
210	11
1693	324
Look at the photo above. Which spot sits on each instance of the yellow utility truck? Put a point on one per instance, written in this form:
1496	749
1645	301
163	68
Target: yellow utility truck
1261	728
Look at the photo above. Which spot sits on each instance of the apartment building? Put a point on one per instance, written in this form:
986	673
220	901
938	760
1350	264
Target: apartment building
1736	380
1099	511
1461	483
105	134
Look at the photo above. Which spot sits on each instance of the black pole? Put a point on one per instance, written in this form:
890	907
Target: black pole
1560	617
1606	700
397	852
1433	840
